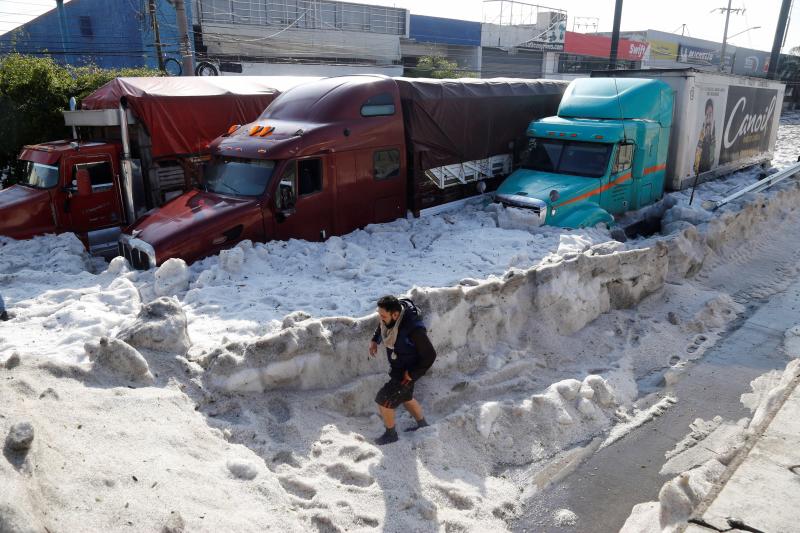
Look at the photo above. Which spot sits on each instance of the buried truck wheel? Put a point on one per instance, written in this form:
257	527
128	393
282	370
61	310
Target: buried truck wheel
618	234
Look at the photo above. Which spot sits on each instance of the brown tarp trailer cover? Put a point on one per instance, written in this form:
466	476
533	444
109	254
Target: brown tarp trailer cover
453	121
183	114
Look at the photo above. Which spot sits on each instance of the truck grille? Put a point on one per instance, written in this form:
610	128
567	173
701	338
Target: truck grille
137	258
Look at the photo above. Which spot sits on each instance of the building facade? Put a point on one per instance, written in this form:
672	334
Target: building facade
458	41
299	37
98	32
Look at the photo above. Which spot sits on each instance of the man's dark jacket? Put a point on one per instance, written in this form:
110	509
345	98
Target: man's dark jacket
413	351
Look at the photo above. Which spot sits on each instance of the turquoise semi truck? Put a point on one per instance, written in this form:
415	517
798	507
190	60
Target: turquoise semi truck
618	143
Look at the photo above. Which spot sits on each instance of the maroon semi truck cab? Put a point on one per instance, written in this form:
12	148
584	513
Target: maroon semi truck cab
332	155
148	135
324	159
66	186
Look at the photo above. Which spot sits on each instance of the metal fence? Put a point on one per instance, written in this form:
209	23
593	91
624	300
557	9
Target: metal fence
305	14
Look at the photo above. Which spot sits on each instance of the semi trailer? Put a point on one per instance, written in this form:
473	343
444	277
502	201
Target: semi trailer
621	138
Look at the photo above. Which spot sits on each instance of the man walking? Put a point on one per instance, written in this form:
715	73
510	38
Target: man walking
410	354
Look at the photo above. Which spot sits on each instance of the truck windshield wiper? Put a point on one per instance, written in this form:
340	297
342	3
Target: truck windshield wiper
233	189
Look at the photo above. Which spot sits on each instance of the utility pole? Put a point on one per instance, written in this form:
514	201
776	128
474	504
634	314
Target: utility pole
780	33
151	8
727	11
183	29
612	59
62	23
725	38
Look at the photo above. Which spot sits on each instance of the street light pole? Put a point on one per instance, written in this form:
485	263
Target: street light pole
743	31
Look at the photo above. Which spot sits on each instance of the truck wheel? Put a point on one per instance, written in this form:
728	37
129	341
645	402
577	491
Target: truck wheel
204	68
618	234
173	66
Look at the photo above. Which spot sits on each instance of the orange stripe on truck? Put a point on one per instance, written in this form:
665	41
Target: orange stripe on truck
598	190
656	168
625	177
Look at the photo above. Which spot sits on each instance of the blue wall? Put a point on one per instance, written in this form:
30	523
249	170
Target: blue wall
114	34
444	31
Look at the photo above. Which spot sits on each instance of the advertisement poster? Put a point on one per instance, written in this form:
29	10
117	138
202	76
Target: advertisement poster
707	130
749	118
697	56
749	62
550	40
663	50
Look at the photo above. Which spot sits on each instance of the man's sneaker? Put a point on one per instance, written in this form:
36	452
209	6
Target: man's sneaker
420	424
389	436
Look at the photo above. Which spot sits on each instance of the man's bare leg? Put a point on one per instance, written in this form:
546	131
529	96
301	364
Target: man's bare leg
388	416
414	407
390	435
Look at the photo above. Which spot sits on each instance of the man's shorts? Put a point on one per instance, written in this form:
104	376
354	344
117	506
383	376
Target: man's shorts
392	394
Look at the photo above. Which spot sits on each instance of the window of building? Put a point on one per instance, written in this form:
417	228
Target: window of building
387	164
86	27
380	105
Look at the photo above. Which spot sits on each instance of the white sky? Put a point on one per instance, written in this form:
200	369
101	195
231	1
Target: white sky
664	15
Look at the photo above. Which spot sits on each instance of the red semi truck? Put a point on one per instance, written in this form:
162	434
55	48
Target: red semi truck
333	155
135	145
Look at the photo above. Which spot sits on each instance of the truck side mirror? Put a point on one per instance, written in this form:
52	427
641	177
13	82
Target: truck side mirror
84	182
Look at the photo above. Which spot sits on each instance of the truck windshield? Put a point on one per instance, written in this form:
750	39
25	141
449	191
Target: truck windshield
569	157
240	177
39	176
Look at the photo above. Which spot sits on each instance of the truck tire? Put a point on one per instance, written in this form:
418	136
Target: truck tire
173	67
618	234
204	68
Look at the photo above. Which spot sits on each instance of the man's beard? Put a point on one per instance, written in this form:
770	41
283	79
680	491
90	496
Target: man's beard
391	324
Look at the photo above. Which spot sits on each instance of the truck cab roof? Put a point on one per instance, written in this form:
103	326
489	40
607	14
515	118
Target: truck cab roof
618	99
311	118
580	129
51	152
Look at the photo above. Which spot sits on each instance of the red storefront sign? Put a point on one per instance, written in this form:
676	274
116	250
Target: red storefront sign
600	46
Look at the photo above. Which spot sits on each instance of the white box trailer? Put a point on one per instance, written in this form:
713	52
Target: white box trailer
721	122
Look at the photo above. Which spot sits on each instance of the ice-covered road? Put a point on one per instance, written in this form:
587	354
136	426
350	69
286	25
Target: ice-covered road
172	451
245	292
59	303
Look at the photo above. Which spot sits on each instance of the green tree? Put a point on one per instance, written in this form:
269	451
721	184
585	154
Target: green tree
438	67
33	93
